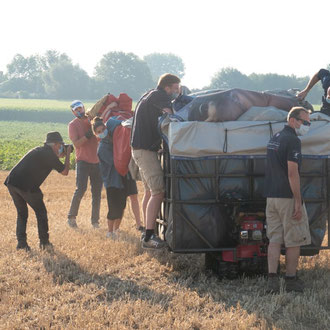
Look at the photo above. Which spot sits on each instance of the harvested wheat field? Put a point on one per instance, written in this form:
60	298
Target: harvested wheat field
90	282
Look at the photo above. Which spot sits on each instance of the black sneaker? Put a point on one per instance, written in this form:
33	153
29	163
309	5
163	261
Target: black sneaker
46	246
23	246
273	284
72	223
294	284
154	243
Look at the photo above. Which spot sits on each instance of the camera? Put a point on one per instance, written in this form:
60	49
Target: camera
68	145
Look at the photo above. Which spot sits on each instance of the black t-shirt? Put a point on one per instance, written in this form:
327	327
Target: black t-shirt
32	170
324	76
145	133
284	146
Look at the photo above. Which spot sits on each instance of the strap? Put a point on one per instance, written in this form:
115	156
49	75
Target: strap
271	133
225	144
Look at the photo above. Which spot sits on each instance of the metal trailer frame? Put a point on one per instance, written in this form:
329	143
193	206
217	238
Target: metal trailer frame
171	184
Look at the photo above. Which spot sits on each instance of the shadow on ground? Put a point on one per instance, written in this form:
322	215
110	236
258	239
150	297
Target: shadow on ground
63	269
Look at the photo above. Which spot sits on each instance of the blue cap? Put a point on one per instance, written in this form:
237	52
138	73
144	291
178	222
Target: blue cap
76	104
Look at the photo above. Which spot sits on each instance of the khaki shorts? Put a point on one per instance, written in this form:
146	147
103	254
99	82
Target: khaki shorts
281	228
150	170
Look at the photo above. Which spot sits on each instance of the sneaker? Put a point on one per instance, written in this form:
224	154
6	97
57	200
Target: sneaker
143	235
294	284
46	246
141	229
23	246
95	225
117	233
112	235
273	284
72	223
153	243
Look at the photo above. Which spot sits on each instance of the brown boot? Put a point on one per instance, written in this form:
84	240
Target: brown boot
293	284
273	283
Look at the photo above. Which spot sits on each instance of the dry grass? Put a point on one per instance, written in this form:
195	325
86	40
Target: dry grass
91	282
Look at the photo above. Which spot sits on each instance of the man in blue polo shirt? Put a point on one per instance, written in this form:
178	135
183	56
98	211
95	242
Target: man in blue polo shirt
324	76
25	179
287	221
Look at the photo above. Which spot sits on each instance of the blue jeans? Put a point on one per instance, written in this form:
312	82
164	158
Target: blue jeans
84	171
35	199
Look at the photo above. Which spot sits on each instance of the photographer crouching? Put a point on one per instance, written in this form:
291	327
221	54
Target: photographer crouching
24	180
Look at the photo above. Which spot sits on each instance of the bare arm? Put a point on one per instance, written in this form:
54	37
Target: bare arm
65	172
78	143
167	110
309	86
294	181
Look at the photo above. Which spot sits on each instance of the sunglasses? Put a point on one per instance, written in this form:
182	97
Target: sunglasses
78	109
76	105
304	122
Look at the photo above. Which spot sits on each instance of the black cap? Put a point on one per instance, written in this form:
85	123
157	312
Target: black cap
54	137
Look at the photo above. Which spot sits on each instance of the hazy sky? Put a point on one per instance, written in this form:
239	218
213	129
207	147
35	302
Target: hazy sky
282	36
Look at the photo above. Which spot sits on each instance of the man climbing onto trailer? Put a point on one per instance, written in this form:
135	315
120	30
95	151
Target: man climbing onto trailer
146	142
286	216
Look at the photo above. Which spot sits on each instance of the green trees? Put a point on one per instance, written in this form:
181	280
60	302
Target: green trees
24	76
122	72
34	76
63	80
160	63
2	77
54	75
232	78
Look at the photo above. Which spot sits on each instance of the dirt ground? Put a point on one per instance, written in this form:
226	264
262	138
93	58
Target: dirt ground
91	282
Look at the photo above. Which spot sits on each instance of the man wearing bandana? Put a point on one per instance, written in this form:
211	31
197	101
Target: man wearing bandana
87	164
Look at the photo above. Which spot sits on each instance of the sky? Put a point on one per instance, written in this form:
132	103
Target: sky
283	36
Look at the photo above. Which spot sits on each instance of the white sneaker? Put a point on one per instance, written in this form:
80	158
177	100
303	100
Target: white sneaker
117	233
111	235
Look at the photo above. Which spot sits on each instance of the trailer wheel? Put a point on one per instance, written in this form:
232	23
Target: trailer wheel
160	230
222	269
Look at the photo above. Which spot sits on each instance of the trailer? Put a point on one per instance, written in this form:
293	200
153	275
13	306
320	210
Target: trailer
214	181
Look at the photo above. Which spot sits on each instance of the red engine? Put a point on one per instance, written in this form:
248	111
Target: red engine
251	232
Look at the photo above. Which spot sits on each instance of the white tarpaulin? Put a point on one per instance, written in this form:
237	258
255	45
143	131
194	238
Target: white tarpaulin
202	139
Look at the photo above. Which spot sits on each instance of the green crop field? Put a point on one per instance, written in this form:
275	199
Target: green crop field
16	138
37	105
24	124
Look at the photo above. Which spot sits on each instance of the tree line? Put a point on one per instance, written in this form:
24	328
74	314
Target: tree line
54	75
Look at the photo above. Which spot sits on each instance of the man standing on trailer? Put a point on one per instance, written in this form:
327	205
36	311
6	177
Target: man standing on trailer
286	217
324	76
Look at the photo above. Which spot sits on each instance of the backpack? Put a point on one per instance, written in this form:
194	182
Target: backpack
106	109
121	139
122	133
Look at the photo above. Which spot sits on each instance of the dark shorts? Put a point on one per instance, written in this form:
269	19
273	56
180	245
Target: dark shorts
131	187
116	198
116	203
